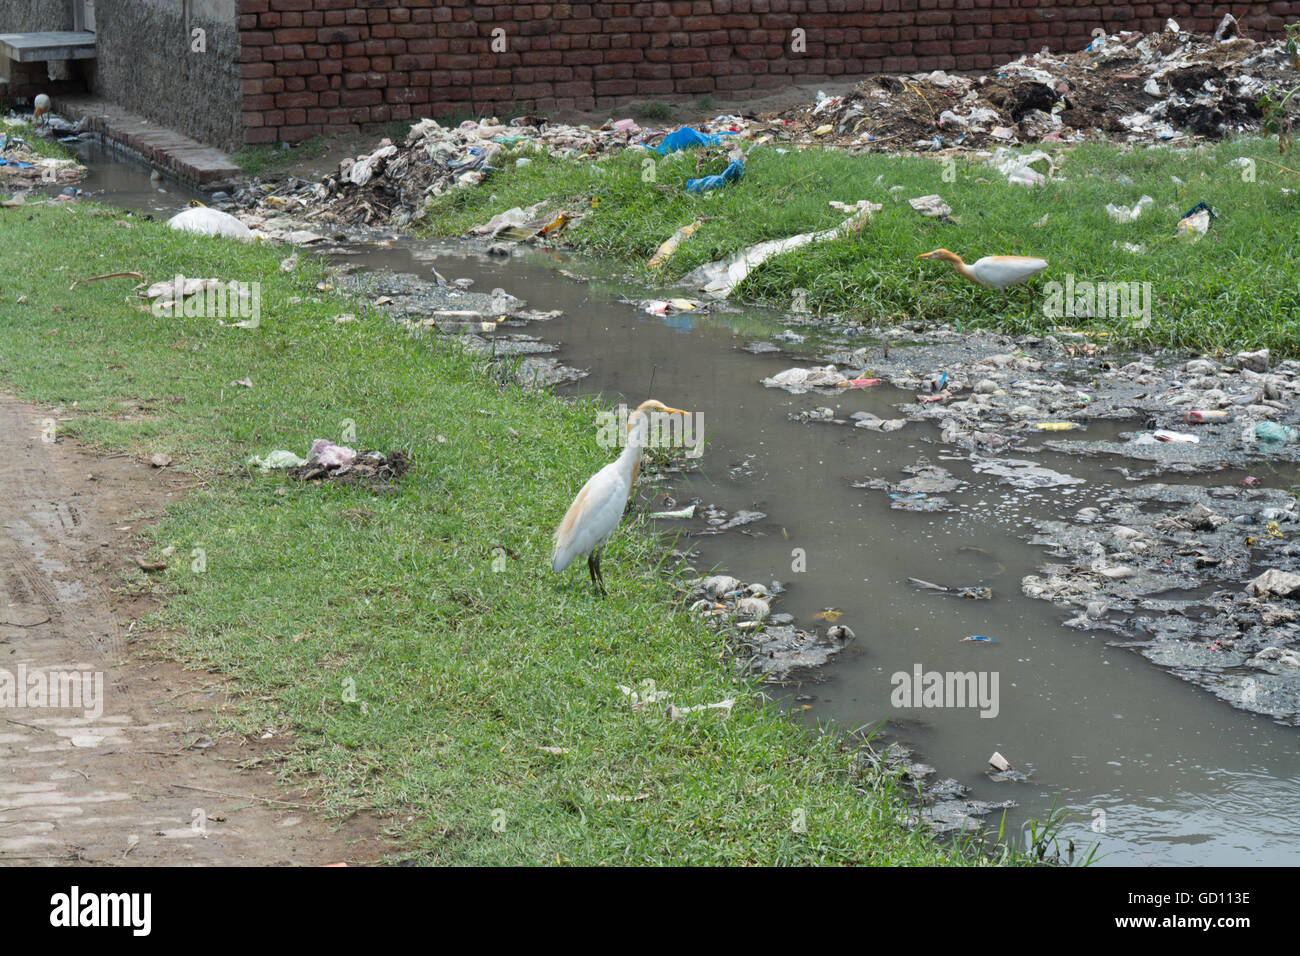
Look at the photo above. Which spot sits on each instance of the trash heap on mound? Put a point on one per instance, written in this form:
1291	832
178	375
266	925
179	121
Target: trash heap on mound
22	168
1171	87
390	186
1129	87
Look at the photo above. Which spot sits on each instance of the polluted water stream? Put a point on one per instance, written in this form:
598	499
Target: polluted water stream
1149	768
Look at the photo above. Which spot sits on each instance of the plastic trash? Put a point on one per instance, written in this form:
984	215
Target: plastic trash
687	137
671	306
665	251
1273	432
325	452
205	221
280	458
1227	28
978	639
735	169
860	383
1163	434
1123	214
687	512
932	206
1056	426
1198	416
1195	222
719	278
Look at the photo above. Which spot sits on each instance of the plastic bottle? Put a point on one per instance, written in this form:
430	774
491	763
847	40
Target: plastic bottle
1197	416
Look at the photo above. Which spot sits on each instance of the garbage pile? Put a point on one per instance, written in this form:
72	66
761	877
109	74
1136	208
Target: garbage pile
391	185
1135	87
1167	87
1199	580
328	461
22	168
767	643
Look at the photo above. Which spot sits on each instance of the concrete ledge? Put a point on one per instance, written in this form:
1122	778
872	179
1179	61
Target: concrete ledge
54	45
187	159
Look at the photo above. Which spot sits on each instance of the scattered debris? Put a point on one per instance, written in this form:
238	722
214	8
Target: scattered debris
719	279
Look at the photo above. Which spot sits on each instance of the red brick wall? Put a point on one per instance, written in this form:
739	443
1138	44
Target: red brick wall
313	66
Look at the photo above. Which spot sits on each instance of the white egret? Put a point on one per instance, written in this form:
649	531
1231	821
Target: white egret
596	511
996	271
41	107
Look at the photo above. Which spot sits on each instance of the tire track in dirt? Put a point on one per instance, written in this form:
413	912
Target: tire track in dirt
129	775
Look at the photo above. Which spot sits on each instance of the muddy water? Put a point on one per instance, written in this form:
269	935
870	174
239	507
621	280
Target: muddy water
114	177
1153	770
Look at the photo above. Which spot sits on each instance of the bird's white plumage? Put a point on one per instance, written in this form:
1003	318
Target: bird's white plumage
210	222
40	106
1002	271
996	271
601	502
598	508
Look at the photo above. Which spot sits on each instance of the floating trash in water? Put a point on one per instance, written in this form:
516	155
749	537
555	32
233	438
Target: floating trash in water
979	639
1163	434
687	512
1024	474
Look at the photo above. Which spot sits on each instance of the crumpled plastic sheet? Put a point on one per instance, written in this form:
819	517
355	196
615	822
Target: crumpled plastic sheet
719	279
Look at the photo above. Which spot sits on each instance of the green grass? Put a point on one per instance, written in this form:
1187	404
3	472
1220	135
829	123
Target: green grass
372	626
260	160
47	148
1239	287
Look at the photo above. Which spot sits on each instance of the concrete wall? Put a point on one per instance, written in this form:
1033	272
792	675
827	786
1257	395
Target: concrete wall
25	80
313	66
30	16
145	62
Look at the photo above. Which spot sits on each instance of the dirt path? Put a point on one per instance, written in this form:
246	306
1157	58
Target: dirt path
133	784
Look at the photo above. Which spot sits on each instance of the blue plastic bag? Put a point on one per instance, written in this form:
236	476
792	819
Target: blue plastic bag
735	169
686	137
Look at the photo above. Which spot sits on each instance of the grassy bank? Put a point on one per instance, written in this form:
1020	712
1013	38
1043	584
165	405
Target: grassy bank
372	626
1238	287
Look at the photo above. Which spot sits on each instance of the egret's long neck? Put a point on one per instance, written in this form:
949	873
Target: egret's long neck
629	461
962	268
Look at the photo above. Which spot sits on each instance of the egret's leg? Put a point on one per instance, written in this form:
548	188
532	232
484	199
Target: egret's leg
593	567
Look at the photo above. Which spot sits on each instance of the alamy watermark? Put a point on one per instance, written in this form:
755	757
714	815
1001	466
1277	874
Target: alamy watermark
212	299
664	430
923	688
1099	300
53	689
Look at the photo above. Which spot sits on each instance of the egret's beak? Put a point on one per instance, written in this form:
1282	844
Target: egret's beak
925	255
671	411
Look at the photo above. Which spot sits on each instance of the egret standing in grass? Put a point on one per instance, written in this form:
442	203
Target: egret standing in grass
41	107
996	271
595	513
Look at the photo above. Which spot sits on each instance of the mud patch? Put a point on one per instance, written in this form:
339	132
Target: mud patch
147	780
